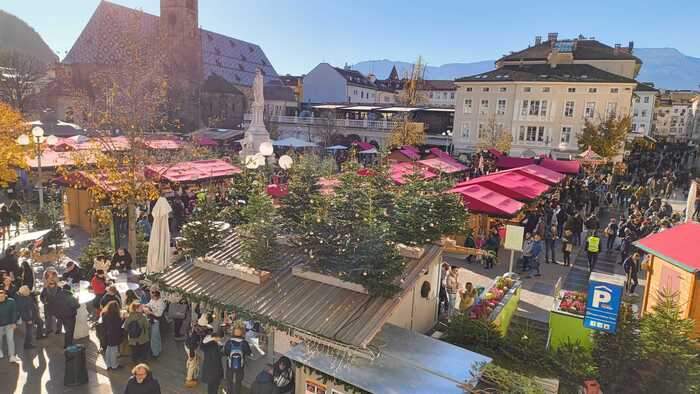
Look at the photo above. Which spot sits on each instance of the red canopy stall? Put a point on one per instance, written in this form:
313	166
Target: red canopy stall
505	162
480	199
562	166
510	184
397	171
540	174
193	171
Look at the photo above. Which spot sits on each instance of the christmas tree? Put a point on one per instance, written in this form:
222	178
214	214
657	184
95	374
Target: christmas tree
259	231
200	233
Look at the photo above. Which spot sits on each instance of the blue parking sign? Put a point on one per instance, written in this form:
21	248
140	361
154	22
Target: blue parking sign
603	306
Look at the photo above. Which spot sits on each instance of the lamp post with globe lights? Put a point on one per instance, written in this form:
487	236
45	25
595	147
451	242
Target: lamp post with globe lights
37	136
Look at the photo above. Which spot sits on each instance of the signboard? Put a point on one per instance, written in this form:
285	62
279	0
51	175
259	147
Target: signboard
514	237
603	306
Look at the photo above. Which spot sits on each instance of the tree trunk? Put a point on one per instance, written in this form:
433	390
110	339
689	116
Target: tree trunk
131	216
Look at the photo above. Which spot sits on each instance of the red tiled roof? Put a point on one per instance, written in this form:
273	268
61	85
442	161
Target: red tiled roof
164	144
677	245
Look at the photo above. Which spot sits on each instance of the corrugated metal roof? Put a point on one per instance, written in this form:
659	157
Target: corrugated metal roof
338	314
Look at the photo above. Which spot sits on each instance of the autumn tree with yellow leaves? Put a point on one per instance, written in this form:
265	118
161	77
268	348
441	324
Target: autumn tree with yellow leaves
12	155
494	135
131	99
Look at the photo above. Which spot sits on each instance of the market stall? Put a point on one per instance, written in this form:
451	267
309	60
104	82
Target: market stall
540	174
498	302
510	184
673	266
507	162
397	171
406	154
193	171
570	167
566	320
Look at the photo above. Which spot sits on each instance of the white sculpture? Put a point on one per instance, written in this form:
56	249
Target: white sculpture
256	133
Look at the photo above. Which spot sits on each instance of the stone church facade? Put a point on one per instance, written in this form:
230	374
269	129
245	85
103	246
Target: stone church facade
211	73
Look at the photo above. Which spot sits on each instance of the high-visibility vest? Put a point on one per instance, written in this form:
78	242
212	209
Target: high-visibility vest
593	244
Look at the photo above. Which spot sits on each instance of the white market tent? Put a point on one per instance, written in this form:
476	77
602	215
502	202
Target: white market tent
372	151
337	147
294	143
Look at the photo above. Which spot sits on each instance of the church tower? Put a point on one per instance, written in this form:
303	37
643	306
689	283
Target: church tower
179	30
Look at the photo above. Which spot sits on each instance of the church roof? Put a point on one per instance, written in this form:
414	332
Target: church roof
230	58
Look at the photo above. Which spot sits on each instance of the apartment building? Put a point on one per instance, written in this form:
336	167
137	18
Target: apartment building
544	107
674	115
643	102
544	95
328	84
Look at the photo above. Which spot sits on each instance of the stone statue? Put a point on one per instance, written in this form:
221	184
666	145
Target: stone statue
256	132
258	83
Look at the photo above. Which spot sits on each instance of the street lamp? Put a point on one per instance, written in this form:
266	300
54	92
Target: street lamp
39	140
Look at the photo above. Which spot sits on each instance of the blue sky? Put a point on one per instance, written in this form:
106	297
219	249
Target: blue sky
298	34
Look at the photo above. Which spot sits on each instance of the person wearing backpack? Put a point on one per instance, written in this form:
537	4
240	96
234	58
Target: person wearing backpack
137	331
236	350
178	312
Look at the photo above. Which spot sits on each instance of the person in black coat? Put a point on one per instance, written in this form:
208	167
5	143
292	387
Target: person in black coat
66	309
212	369
113	333
263	383
27	275
121	261
72	274
28	312
142	381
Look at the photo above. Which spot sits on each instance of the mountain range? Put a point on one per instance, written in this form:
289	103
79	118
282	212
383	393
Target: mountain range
667	68
15	34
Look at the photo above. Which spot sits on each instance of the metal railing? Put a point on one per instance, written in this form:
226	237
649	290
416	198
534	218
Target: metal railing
350	123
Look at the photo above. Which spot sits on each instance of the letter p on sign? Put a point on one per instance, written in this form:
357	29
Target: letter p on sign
601	295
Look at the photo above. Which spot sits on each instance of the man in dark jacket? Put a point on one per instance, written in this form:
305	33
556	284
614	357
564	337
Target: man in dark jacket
28	312
142	381
10	264
631	266
72	274
66	309
212	370
48	298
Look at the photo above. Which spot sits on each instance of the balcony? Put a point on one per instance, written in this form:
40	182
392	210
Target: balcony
385	125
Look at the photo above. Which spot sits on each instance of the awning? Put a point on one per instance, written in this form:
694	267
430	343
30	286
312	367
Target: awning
674	246
361	108
372	151
164	144
294	143
511	184
562	166
193	171
540	174
399	109
506	162
363	145
479	199
397	171
446	157
328	106
337	147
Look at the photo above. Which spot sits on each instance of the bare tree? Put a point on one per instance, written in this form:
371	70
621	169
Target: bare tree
327	132
405	131
493	135
19	73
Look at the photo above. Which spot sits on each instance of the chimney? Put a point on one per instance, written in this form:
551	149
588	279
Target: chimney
552	37
538	40
618	48
630	46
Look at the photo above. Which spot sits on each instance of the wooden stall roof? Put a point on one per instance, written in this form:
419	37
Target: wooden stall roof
677	245
335	313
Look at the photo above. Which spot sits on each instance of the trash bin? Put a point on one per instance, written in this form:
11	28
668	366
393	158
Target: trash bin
76	369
